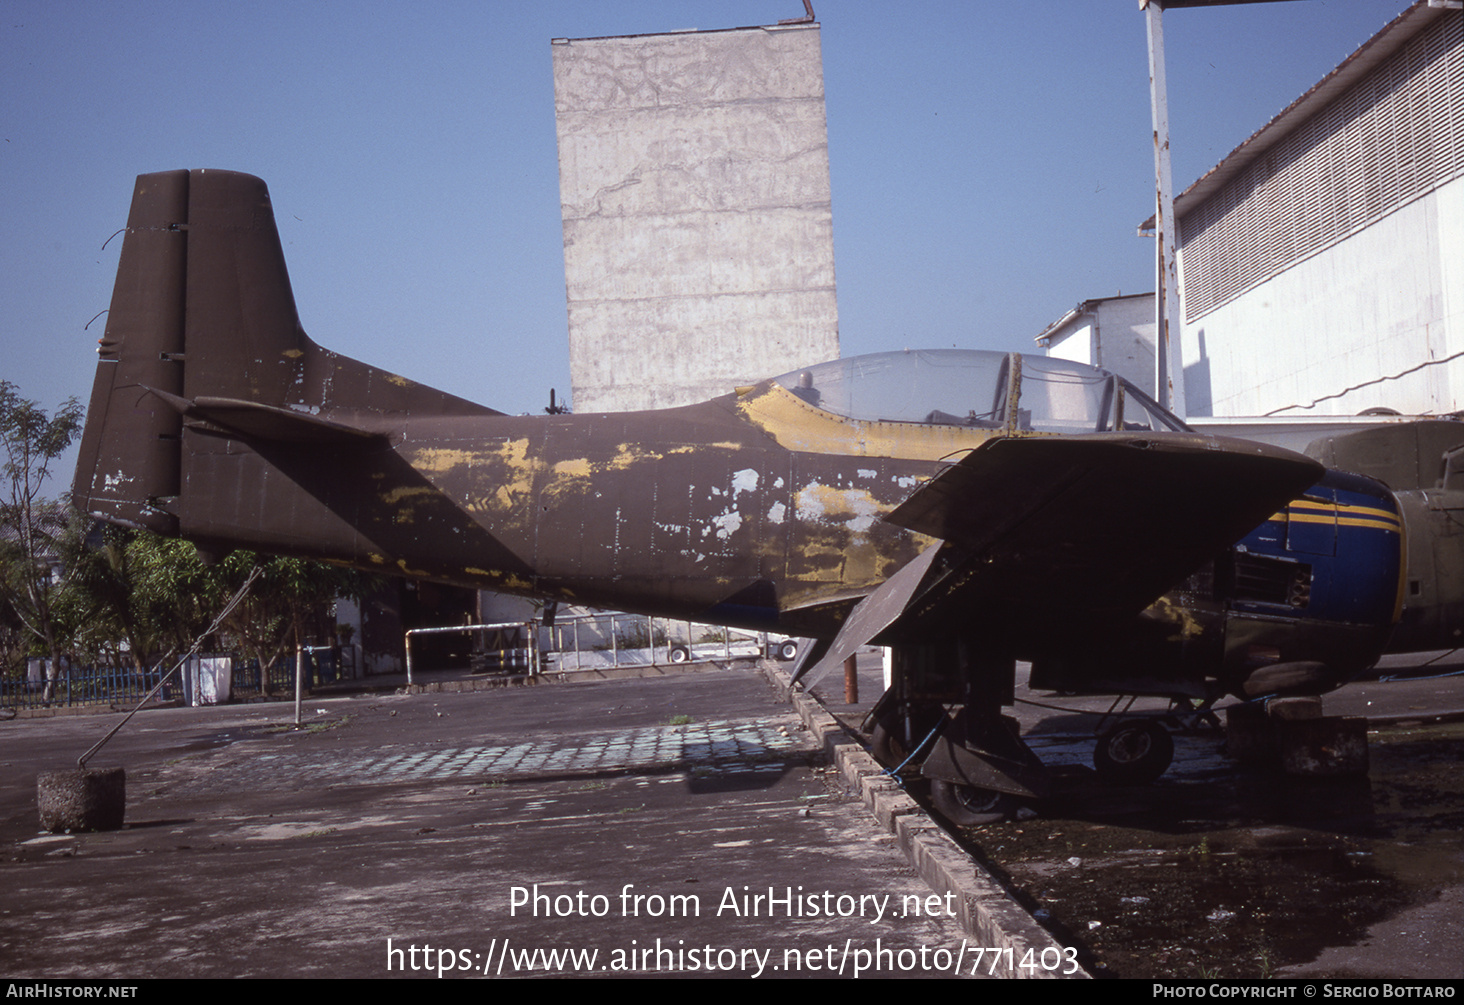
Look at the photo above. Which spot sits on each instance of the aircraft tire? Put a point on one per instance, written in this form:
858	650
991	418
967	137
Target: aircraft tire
787	650
1134	753
887	738
967	806
680	654
887	746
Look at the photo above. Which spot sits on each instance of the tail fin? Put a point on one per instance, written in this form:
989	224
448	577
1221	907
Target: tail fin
203	323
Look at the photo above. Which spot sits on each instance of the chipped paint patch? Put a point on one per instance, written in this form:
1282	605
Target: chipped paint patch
727	524
775	513
855	509
744	481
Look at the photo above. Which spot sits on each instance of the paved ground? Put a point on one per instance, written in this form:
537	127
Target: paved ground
677	825
477	830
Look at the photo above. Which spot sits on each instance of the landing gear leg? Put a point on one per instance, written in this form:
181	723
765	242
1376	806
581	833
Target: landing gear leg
902	729
979	768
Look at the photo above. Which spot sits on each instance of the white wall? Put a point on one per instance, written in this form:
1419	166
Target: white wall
1380	302
1117	334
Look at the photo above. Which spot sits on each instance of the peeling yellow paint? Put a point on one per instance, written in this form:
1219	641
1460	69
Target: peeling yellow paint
440	460
1189	627
402	492
629	454
797	425
293	353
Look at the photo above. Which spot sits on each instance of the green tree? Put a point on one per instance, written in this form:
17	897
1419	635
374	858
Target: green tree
133	592
274	618
157	595
30	525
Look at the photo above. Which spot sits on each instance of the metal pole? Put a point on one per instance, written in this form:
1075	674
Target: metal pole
1168	350
299	679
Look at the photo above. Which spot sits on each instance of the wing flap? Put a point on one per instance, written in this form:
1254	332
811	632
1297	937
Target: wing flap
872	615
1047	536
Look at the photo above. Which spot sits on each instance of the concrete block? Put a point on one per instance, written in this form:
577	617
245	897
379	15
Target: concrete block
1325	747
82	799
1249	736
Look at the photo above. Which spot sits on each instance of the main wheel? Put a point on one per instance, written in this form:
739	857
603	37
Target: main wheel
967	806
787	650
680	654
1134	753
887	737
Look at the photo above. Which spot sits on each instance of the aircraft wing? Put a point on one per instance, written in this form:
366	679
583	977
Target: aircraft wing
1043	538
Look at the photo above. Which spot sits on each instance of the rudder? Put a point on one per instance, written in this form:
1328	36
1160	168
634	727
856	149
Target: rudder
203	311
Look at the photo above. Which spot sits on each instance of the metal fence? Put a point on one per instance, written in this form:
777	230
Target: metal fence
126	686
323	665
83	686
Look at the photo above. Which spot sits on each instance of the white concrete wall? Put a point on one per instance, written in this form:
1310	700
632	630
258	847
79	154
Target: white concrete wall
1383	301
1126	339
1117	335
698	233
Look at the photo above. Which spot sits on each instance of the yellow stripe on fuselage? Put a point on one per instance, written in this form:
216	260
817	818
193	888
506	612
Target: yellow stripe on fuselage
1315	511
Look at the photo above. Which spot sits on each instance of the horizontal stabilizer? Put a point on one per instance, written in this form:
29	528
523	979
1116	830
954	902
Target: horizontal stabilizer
253	420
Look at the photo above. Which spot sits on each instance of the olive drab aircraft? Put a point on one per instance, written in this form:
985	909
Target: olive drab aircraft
968	509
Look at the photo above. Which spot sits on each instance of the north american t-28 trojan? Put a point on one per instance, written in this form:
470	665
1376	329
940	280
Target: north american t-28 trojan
968	509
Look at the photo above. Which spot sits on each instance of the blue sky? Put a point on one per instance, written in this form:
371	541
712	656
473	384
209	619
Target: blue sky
990	160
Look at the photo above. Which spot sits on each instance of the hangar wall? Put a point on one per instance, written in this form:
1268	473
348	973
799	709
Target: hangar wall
1381	303
698	226
1322	263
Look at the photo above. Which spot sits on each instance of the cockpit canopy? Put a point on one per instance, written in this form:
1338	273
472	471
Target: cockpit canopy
981	389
